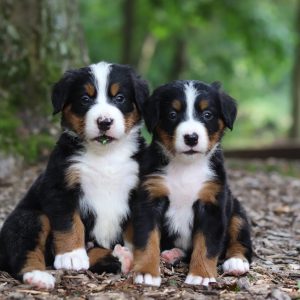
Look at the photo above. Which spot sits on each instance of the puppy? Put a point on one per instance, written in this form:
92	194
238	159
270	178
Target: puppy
184	206
85	192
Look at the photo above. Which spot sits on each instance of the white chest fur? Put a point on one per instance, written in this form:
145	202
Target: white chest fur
184	181
106	178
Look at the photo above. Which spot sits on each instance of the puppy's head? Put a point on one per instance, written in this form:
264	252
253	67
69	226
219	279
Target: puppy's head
189	117
100	103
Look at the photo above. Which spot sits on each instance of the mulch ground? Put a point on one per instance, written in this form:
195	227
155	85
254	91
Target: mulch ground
273	205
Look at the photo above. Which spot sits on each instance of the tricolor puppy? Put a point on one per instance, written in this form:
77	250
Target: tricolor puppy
184	206
84	194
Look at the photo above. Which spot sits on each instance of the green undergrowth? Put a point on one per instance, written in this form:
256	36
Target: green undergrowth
15	141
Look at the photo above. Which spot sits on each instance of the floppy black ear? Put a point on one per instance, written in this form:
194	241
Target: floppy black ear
60	91
228	105
217	85
229	109
141	91
151	112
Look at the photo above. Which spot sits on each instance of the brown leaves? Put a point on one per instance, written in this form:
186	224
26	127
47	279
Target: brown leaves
273	205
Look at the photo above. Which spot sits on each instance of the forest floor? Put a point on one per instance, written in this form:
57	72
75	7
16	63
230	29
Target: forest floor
273	205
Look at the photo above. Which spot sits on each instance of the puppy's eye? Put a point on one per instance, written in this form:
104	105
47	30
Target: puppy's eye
85	98
172	115
207	115
120	98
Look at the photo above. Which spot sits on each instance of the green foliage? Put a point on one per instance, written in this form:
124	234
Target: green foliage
12	141
247	45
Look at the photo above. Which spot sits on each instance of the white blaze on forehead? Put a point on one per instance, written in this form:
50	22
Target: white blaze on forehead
101	74
191	124
190	94
102	108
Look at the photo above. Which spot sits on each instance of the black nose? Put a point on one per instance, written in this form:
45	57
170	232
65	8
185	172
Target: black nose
191	139
104	124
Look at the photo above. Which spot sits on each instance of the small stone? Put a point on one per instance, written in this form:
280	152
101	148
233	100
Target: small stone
279	295
243	283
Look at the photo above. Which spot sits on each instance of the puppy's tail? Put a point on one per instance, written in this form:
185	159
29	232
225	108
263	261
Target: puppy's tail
102	260
111	261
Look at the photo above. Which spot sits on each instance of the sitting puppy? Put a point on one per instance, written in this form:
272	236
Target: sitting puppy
184	205
85	192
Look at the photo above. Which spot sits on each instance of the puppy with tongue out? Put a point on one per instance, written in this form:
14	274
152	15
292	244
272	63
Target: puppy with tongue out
84	195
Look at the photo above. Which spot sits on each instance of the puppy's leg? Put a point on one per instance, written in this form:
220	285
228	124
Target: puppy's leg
147	215
69	244
239	250
146	260
23	238
125	253
208	235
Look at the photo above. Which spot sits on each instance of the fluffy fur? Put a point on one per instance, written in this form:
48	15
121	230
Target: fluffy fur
85	193
184	206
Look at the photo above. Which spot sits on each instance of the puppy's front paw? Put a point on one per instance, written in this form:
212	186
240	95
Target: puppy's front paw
198	280
235	266
39	279
125	257
147	279
74	260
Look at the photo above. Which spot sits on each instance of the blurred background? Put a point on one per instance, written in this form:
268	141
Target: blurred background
251	46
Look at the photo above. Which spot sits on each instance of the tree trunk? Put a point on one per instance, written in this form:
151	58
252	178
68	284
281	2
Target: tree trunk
128	27
147	53
295	130
179	59
39	39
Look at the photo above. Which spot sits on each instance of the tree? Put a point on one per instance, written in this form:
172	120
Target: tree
295	130
39	40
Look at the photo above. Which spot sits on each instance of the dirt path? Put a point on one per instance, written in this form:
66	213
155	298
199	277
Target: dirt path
273	204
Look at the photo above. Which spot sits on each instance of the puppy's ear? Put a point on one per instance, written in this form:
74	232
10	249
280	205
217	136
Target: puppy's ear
216	85
60	91
141	90
228	105
229	109
151	112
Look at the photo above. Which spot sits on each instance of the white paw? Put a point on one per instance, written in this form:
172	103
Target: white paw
235	266
39	279
74	260
125	257
172	255
198	280
147	279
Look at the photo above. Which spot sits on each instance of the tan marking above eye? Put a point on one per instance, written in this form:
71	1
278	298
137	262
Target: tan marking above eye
203	104
90	89
176	104
114	89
